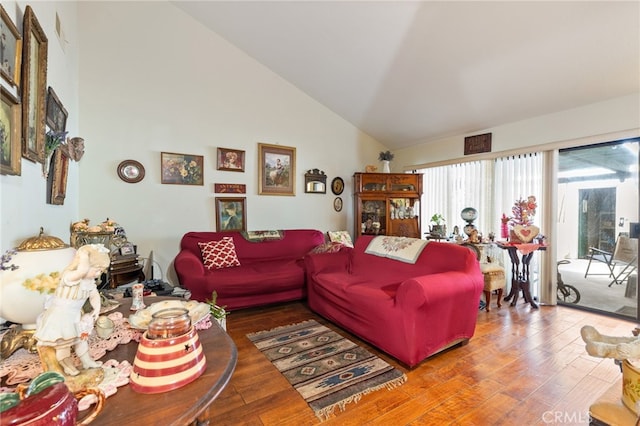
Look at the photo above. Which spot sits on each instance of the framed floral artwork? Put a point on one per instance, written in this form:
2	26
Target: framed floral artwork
276	170
34	86
231	214
182	169
10	151
11	60
231	160
56	113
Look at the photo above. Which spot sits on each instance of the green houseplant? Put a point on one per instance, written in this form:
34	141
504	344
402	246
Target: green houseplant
438	229
218	312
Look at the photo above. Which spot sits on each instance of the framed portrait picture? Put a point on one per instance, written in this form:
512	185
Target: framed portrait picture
182	169
276	170
57	178
56	114
34	86
10	146
231	214
231	160
11	60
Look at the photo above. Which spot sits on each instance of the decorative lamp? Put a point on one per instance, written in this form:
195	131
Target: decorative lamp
469	214
27	275
169	354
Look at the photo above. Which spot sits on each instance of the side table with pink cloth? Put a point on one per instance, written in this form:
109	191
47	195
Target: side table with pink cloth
520	255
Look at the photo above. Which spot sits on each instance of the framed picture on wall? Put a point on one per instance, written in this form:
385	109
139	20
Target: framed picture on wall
276	170
56	114
34	86
11	49
57	178
10	151
231	214
182	169
231	160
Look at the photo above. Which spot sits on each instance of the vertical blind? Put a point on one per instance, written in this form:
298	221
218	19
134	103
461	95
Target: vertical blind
489	186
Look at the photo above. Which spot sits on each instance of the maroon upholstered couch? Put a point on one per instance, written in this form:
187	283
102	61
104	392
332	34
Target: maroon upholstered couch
410	311
270	271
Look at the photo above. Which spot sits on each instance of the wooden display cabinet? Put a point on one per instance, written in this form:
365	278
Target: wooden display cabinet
387	204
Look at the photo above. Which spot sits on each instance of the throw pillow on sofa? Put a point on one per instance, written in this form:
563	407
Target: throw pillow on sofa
340	237
219	254
328	247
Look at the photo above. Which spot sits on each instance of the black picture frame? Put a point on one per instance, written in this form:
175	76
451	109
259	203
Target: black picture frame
56	112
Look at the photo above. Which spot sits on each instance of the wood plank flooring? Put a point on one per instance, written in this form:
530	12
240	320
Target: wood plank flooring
521	367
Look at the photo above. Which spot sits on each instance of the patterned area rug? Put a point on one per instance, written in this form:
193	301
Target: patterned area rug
328	370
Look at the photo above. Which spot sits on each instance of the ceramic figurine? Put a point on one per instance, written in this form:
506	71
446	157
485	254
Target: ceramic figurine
63	324
603	346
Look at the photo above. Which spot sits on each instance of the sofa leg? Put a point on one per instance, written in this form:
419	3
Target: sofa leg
500	291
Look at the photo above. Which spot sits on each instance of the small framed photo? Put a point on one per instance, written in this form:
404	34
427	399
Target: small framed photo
231	214
231	160
182	169
10	131
56	113
11	49
127	249
276	170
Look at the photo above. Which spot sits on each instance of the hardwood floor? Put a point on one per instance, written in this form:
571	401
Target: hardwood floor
521	364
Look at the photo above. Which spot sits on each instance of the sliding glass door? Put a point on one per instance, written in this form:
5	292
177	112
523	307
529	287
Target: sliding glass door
597	204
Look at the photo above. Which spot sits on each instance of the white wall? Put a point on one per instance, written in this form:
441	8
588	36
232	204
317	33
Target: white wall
152	80
614	115
23	208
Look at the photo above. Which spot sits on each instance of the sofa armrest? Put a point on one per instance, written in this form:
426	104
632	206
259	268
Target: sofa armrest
188	261
328	262
435	288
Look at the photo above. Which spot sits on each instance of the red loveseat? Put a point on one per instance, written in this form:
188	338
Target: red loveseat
410	311
270	271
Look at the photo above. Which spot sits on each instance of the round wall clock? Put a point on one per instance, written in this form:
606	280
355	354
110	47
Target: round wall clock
337	186
131	171
337	204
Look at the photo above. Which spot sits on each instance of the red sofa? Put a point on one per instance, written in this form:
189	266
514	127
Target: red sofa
270	271
410	311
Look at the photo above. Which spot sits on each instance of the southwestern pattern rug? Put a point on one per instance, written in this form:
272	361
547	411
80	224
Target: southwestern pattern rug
328	370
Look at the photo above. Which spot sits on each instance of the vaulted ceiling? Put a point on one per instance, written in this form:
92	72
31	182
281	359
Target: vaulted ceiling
407	72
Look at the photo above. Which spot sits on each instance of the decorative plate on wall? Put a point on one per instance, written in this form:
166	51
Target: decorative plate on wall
337	186
337	204
131	171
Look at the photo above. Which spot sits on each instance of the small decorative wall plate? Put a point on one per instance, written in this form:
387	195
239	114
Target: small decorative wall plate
337	204
337	185
130	171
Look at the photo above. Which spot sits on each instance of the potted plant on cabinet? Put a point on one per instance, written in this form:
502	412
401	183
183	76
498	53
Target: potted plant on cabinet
438	229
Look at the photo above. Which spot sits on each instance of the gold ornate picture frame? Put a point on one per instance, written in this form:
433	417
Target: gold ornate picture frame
34	87
57	179
11	49
276	170
10	151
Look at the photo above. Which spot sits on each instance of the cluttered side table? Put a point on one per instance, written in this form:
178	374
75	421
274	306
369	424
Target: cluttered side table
185	405
520	255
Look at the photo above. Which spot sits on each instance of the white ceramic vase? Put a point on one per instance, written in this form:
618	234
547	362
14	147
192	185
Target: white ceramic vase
385	166
18	303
